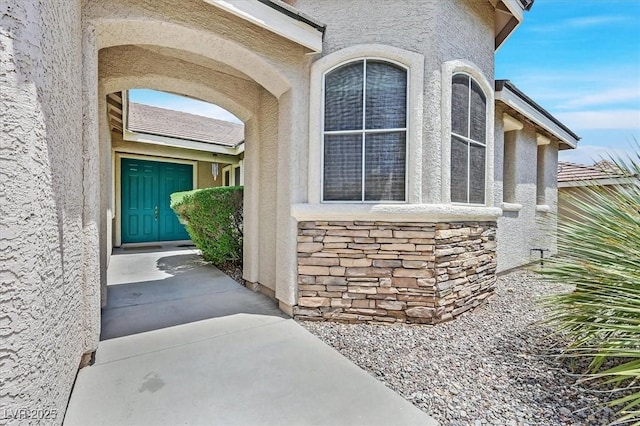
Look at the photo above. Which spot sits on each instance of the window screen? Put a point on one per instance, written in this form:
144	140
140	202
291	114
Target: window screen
468	140
365	132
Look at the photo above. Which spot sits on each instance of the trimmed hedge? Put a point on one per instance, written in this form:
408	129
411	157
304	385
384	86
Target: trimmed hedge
213	218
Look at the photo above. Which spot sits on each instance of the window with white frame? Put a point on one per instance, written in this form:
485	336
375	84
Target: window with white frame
468	140
365	132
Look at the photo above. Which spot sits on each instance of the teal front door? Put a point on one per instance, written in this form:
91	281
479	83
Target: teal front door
146	191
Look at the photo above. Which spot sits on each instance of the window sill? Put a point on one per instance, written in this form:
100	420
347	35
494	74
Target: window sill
511	207
543	208
394	212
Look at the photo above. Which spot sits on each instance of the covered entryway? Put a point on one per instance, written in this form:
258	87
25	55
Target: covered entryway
146	197
207	51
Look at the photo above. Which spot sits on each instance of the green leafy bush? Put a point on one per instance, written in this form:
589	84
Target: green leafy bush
213	218
600	255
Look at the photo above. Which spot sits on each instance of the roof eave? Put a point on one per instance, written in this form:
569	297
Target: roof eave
513	98
155	139
508	16
278	18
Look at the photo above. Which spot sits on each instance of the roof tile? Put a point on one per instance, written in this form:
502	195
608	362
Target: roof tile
181	125
569	172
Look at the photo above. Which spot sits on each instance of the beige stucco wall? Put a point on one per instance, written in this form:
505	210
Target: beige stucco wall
441	31
205	177
568	210
43	326
524	224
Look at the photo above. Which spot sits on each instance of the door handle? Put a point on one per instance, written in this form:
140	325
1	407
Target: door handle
155	212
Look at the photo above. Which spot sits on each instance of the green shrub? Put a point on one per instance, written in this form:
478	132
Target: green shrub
600	255
213	218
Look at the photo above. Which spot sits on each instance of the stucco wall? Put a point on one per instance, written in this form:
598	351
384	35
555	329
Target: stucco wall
267	158
206	178
41	238
524	225
439	30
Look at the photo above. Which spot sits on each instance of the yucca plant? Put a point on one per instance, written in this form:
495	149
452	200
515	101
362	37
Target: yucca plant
599	253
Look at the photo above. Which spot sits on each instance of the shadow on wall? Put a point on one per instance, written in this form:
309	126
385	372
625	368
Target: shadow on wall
194	291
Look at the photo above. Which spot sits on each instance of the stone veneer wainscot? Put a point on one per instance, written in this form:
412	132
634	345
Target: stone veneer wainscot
357	271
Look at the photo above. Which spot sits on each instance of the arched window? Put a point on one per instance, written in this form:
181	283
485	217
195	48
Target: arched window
468	140
365	132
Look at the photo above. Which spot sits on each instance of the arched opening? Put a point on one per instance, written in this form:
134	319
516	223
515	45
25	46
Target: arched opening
133	54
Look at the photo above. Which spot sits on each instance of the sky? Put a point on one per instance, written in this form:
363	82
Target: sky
578	59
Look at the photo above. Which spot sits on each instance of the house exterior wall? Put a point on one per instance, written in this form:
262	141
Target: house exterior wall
57	82
568	210
206	178
524	224
43	327
434	41
440	31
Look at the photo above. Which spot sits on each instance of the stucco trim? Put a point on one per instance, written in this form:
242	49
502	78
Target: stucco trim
271	19
510	123
515	102
184	87
119	32
450	68
414	63
117	177
511	207
394	212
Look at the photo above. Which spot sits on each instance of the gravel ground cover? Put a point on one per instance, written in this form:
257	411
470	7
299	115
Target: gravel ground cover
494	366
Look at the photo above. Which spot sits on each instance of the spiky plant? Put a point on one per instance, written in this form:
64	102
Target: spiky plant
600	254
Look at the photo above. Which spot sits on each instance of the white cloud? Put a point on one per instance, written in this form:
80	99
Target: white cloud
590	154
593	21
601	97
610	119
585	22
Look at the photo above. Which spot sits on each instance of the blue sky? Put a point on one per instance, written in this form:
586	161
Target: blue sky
181	103
579	59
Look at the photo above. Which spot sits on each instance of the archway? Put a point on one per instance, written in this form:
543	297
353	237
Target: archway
136	50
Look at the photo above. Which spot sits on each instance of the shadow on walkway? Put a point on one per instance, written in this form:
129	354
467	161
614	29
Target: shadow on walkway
149	290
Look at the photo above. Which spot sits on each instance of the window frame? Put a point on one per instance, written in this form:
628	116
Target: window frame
470	141
364	132
448	69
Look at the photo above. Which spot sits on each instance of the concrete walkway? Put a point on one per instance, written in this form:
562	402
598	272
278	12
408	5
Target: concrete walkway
153	289
235	368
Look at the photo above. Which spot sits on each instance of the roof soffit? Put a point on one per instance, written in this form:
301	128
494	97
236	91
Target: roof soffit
508	16
277	17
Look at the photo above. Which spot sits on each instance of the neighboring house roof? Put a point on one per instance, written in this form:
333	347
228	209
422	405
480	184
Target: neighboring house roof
513	98
601	173
181	125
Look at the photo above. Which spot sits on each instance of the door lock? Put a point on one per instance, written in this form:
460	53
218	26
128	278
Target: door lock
155	212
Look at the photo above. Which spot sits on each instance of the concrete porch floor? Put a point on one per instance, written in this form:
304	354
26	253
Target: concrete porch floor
182	343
